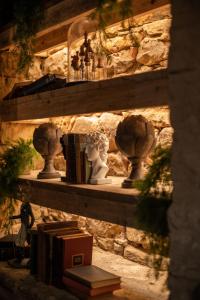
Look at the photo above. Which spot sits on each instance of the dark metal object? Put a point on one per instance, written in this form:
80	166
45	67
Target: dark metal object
27	220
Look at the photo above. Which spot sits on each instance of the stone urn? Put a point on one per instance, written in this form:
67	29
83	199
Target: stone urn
46	140
135	138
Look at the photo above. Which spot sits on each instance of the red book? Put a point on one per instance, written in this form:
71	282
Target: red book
75	250
74	286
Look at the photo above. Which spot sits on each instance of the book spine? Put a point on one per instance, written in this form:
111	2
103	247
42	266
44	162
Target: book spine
40	254
71	159
68	282
82	155
55	258
33	253
38	84
57	262
88	168
78	158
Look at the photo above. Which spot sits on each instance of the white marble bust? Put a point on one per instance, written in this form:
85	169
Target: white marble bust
96	149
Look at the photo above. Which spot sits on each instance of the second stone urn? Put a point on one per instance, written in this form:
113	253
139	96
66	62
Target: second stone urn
135	138
46	140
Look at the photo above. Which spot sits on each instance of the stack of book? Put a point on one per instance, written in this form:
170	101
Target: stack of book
47	82
57	246
78	168
90	281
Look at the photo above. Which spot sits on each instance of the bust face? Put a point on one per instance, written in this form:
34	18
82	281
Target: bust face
92	152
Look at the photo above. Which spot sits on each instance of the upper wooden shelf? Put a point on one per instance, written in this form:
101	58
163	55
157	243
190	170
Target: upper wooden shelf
54	28
127	92
108	202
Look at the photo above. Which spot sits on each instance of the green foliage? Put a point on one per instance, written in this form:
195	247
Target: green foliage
13	162
106	9
158	181
155	200
28	16
111	9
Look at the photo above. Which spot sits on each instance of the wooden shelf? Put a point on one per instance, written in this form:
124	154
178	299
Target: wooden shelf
108	202
59	16
127	92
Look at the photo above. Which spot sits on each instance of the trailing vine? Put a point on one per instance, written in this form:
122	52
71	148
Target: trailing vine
155	200
106	9
28	16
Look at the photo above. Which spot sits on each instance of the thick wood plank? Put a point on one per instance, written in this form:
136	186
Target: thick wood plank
109	202
53	38
66	11
128	92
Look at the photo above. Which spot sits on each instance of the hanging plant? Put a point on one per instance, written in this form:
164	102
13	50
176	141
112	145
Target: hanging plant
107	9
28	16
155	200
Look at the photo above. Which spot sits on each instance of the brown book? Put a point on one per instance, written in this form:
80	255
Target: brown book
71	251
73	149
53	253
80	146
92	276
78	158
17	90
74	286
41	243
48	241
33	251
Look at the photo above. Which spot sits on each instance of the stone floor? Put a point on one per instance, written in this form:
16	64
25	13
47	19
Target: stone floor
138	282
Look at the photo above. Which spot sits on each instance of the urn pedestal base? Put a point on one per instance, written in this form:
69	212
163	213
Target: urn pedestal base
46	175
128	183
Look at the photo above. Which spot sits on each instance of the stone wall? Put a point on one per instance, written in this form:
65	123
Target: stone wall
152	32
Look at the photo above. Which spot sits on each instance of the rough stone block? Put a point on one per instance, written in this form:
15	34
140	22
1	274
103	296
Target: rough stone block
137	238
118	249
152	51
118	166
85	124
158	28
165	137
103	229
12	132
57	63
136	255
121	241
105	243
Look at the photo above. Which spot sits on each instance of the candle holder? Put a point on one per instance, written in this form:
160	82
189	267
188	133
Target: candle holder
84	60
